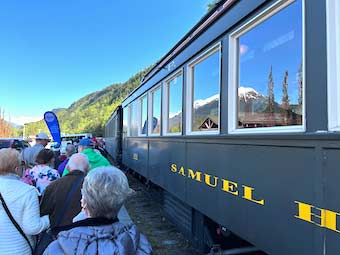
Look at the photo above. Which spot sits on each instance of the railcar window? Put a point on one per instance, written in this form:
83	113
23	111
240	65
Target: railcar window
144	115
204	86
269	70
174	91
155	121
333	52
134	118
125	120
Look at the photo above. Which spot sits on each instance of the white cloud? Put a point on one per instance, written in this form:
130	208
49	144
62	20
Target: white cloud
243	49
21	120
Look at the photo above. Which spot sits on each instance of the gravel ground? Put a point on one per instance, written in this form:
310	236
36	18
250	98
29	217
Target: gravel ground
147	214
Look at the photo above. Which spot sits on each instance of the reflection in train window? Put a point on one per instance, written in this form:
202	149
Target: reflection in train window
173	113
144	115
125	121
155	121
270	70
134	118
204	87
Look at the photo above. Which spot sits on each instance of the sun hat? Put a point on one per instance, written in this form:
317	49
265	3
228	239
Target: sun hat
42	136
85	142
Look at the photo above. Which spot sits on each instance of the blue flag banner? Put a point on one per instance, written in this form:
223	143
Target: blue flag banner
53	125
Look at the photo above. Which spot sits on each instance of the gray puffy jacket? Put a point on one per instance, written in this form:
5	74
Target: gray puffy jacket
115	238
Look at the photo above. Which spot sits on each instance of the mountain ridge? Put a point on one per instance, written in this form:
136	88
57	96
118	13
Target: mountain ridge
90	113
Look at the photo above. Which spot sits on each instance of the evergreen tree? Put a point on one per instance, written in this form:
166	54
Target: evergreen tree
285	98
270	91
300	86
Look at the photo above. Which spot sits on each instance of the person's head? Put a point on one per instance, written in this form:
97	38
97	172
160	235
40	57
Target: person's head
9	161
85	143
104	191
94	140
70	150
45	157
78	161
42	138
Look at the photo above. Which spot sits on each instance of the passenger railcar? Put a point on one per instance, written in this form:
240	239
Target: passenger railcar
113	135
239	124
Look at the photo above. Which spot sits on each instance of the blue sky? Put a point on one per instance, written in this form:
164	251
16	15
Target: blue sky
52	53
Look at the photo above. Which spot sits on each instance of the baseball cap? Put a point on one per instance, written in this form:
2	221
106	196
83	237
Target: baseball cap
85	142
42	136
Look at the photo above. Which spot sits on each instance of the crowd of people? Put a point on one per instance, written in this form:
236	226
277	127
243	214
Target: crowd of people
68	206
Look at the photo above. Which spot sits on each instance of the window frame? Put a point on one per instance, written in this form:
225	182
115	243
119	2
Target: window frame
150	111
166	103
128	120
140	106
217	47
233	72
131	105
333	64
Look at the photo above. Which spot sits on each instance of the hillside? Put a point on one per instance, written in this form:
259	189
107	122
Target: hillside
90	113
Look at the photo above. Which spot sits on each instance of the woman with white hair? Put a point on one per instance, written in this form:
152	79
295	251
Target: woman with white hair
104	191
19	200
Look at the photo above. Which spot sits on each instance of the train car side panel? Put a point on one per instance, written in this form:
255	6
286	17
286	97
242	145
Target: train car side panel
162	155
331	178
251	190
113	135
137	155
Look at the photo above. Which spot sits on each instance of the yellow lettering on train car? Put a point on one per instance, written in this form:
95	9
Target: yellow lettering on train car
207	179
182	171
194	175
174	168
215	181
326	218
248	194
230	187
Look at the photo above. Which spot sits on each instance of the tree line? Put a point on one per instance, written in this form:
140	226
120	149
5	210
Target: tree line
5	129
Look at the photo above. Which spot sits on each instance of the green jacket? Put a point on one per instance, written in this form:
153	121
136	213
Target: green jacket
95	159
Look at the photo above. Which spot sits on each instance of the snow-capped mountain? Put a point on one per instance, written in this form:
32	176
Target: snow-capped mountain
203	108
251	100
199	103
248	94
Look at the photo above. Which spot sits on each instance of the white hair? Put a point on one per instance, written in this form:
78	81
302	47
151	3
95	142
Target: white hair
78	161
70	150
104	191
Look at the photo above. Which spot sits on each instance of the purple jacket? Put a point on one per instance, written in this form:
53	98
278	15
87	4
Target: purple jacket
62	166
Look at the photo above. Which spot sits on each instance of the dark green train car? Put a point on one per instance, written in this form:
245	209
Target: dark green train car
239	125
